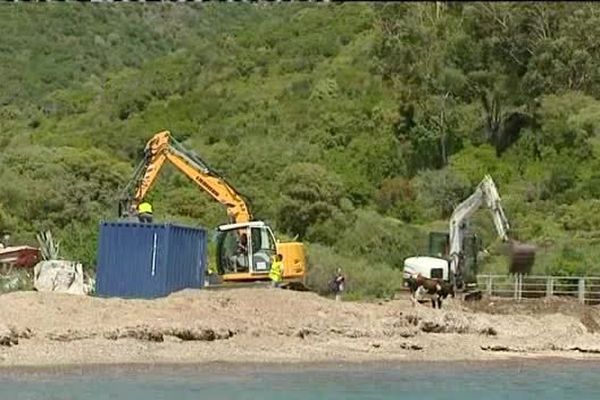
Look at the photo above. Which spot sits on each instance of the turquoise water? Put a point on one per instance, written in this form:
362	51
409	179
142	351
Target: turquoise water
548	380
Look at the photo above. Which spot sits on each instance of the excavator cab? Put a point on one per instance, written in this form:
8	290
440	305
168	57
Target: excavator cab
245	250
439	245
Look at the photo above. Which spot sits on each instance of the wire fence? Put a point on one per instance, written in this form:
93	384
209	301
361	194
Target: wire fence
522	287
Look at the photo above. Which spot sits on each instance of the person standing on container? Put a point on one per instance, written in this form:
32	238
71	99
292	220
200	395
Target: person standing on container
276	273
145	212
132	214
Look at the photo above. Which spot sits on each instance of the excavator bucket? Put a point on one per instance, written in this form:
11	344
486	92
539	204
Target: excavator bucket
521	258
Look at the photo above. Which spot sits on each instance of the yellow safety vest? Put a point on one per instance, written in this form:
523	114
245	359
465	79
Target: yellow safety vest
276	273
145	208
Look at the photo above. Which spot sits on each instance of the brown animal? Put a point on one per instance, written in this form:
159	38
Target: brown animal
436	289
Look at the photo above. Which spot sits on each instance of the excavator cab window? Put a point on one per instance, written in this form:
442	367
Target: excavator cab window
439	242
437	273
233	252
245	250
263	249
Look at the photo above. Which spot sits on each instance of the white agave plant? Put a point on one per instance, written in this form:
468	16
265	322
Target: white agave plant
49	248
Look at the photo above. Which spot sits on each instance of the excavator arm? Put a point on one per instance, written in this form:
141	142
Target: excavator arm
486	192
164	148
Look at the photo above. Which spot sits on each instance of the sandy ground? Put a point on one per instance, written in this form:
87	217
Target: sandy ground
269	325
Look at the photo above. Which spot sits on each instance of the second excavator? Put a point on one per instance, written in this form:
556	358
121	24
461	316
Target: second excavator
453	255
245	247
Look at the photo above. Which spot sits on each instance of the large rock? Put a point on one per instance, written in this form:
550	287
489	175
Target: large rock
59	276
7	336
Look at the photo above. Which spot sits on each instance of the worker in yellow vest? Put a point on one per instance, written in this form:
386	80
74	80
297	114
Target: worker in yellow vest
276	273
211	275
145	212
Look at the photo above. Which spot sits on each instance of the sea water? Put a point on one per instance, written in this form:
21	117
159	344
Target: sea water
548	380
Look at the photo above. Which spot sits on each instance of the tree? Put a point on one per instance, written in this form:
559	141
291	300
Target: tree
441	191
415	59
569	121
309	195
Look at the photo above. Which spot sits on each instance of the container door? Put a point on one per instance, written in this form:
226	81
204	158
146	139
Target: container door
157	267
185	258
150	269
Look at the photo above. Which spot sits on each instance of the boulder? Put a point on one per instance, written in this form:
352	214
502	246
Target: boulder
59	276
8	337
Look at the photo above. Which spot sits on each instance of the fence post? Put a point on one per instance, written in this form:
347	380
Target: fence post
581	290
520	286
489	285
516	287
549	286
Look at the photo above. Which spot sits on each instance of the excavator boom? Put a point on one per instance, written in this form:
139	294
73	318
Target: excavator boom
521	256
161	148
486	192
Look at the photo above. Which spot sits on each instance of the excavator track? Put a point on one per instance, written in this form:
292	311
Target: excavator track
291	285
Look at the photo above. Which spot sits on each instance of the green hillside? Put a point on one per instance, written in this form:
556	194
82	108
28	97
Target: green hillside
357	127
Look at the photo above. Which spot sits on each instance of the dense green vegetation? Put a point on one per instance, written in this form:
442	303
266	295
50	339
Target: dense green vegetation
357	127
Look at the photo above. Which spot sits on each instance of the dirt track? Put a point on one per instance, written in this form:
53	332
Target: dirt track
282	326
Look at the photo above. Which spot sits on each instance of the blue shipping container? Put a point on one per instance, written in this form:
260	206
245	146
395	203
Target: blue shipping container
138	260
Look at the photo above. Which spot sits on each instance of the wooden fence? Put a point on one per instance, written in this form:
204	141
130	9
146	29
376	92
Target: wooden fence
522	287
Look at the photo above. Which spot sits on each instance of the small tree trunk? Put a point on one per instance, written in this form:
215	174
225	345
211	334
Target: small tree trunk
443	132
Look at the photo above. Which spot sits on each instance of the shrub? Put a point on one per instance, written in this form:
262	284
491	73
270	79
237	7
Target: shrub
380	240
364	279
310	194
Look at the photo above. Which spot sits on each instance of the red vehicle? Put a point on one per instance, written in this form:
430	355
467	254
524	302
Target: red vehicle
20	256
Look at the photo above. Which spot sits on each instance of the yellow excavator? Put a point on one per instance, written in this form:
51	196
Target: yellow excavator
245	247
